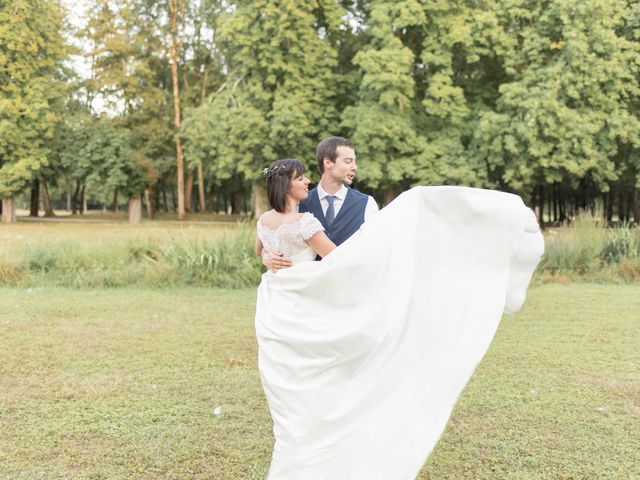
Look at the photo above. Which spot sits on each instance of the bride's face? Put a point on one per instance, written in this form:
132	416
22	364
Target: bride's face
299	188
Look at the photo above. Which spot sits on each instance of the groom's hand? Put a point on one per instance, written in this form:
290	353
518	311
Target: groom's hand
275	260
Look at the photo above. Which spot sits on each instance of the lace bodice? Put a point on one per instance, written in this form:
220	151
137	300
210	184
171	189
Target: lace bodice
291	238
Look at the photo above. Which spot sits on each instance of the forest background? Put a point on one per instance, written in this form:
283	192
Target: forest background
179	105
183	103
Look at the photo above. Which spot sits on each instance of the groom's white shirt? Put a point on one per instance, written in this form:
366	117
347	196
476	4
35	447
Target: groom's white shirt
370	210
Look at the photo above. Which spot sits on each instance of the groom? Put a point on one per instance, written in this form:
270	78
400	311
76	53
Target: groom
340	209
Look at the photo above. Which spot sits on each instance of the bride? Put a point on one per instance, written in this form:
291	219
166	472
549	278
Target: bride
363	355
297	235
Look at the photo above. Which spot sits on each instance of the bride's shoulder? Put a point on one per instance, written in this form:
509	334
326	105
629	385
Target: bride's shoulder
309	225
268	218
308	217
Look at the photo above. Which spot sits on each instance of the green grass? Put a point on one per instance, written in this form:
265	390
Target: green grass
558	394
224	259
221	254
21	233
122	383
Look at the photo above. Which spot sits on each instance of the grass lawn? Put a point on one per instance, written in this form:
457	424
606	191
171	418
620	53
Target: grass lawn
124	383
21	233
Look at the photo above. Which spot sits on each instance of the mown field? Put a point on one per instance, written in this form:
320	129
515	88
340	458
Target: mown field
126	383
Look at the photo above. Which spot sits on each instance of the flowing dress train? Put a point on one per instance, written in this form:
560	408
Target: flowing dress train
363	355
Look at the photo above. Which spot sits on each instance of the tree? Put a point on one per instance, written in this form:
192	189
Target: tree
130	75
279	97
383	122
31	91
112	164
566	110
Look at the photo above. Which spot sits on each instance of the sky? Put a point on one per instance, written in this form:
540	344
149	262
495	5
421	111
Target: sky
76	17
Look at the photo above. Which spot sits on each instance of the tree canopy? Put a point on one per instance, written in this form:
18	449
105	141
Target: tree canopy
536	97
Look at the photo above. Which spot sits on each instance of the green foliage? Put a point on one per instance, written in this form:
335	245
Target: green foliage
277	98
31	88
585	249
383	121
523	96
565	108
576	248
621	243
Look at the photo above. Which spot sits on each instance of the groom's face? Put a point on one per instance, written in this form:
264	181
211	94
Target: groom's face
344	168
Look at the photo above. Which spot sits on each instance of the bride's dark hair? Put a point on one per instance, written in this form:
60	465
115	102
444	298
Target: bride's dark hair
279	175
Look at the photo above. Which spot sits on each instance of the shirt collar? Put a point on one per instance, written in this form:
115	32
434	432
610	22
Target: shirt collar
341	193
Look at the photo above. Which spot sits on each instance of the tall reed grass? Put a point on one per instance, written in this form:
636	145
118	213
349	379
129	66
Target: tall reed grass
586	249
228	261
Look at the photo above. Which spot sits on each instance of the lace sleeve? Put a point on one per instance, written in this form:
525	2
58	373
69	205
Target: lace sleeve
309	225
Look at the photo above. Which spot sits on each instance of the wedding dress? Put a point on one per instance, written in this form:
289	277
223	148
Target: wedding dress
363	355
290	238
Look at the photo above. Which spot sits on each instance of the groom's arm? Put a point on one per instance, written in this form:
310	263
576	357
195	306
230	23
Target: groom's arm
272	260
275	260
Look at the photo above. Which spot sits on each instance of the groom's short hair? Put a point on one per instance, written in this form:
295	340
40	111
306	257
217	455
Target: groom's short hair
328	147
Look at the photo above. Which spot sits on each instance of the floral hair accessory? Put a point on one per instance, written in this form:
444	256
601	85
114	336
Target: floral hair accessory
276	170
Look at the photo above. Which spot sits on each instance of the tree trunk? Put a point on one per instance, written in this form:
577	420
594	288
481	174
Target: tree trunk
541	201
173	8
114	203
237	202
556	213
203	96
135	210
148	201
83	198
75	198
8	210
608	206
563	205
188	191
156	200
622	206
635	205
260	202
46	201
68	196
211	199
165	202
389	194
201	197
35	198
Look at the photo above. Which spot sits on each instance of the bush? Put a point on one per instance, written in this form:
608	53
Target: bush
584	249
228	261
621	243
576	247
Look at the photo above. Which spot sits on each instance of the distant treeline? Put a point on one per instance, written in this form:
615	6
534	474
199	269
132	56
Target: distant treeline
182	103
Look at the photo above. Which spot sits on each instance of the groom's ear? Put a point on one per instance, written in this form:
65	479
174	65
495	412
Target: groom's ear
326	161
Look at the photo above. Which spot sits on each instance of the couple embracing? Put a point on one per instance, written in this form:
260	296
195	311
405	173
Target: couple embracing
362	355
332	207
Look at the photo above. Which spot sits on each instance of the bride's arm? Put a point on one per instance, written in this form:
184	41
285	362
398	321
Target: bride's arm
259	246
322	245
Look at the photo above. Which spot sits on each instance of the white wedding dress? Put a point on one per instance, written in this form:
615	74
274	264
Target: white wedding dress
363	355
291	238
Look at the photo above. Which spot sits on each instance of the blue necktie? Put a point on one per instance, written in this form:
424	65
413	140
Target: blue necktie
331	213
